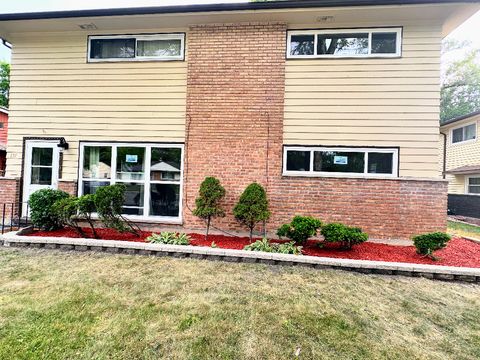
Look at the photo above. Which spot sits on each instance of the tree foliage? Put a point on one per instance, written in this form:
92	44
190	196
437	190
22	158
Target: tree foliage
4	83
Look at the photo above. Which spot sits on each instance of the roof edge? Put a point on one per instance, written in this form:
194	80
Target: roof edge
173	9
460	118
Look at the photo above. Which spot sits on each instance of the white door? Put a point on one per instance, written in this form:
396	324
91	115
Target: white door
41	167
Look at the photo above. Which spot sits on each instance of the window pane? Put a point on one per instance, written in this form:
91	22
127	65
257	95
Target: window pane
41	176
474	181
384	43
90	187
470	132
457	135
298	160
336	161
42	156
474	189
134	198
380	163
164	200
302	44
342	44
166	164
112	48
159	48
97	162
130	163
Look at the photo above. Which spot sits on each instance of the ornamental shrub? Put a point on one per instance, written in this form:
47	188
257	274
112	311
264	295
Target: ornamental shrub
42	213
252	207
85	209
346	235
426	244
109	202
170	238
208	203
300	229
266	246
66	211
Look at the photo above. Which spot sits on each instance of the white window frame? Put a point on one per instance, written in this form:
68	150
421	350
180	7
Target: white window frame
463	133
146	181
365	174
171	36
370	31
467	184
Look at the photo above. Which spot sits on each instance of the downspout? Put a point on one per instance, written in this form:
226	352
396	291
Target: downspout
444	154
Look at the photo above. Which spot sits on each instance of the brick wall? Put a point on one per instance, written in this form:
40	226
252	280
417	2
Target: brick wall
9	193
235	111
68	186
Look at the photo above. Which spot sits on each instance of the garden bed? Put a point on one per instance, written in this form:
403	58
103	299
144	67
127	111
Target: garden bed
459	252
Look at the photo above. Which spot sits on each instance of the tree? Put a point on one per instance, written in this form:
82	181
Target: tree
4	83
460	93
252	207
208	203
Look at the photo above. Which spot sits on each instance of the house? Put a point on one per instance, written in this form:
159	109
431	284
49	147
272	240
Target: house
333	106
461	163
3	139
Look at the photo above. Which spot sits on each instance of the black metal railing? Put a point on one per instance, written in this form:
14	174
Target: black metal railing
11	216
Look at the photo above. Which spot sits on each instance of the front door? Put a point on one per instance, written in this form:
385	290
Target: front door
41	167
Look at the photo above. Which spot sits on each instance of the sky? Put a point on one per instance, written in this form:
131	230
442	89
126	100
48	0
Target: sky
467	31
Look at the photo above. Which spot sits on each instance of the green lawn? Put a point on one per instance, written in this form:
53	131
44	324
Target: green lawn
461	229
56	305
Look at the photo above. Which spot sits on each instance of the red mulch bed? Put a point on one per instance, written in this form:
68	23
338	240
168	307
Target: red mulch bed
459	252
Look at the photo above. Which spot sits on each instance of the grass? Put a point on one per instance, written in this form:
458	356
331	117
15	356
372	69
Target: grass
56	305
462	229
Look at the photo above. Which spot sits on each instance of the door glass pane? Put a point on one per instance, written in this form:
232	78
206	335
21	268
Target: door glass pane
164	200
41	176
298	160
380	163
470	132
166	164
336	161
159	48
134	199
90	187
130	163
342	44
97	162
457	135
384	43
112	48
42	156
302	44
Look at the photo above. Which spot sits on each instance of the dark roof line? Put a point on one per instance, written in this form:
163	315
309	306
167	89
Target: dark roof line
460	118
267	5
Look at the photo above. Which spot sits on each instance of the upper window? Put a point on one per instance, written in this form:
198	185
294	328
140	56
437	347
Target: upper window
136	47
464	133
474	185
340	161
344	43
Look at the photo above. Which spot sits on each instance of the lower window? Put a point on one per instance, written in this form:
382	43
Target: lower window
152	173
313	161
474	185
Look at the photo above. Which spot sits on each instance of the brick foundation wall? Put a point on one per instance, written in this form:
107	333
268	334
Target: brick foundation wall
9	193
68	186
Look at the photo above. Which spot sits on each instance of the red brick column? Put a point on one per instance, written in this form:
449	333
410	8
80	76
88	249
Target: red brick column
68	186
9	194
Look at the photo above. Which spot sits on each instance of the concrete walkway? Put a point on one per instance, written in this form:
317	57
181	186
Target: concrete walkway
447	273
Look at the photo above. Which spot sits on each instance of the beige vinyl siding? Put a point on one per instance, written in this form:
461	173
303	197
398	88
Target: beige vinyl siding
461	154
371	102
55	92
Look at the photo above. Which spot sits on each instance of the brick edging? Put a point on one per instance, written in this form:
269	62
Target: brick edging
447	273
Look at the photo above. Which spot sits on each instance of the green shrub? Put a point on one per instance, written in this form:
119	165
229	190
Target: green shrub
266	246
109	202
300	229
85	209
346	235
208	203
66	211
426	244
42	214
252	207
170	238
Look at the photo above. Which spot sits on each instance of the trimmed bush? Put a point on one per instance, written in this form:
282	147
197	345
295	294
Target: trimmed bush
85	209
208	203
346	235
300	229
266	246
426	244
170	238
66	211
252	207
42	213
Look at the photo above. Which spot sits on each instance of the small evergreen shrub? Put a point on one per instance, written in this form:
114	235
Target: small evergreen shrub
252	207
266	246
66	211
300	229
346	235
85	209
170	238
208	202
42	213
426	244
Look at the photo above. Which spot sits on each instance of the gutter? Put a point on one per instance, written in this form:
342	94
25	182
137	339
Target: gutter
176	9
